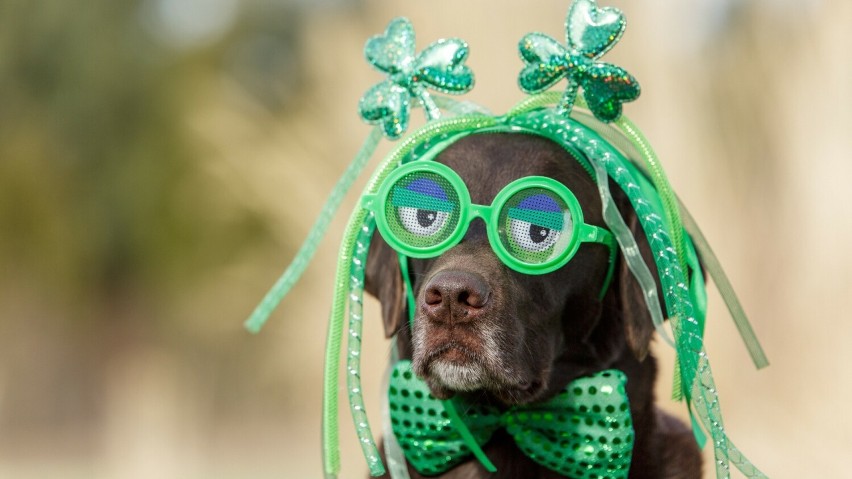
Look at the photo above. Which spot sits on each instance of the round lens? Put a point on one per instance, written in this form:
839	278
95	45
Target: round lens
535	226
422	209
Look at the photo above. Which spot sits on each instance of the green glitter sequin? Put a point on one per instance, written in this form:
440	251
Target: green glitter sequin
584	432
590	32
440	67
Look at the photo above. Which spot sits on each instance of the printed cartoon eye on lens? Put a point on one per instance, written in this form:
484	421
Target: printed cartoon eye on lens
535	225
421	207
421	222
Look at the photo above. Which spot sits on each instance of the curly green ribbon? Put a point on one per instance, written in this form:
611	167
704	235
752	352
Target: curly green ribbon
306	252
353	363
582	432
672	214
397	466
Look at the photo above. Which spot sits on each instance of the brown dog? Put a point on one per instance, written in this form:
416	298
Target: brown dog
498	336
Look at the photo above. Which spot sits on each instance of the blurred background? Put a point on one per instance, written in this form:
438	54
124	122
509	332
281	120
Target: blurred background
162	160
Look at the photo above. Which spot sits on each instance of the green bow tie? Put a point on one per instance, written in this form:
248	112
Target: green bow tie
584	432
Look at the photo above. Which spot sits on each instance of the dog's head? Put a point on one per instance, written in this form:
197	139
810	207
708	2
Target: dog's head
481	327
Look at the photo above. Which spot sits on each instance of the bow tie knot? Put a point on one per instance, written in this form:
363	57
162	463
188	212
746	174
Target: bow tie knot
583	432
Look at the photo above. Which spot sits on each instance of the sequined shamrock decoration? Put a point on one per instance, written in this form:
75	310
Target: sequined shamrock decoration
590	33
440	67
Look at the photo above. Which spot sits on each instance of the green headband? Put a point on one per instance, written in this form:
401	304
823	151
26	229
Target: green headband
608	145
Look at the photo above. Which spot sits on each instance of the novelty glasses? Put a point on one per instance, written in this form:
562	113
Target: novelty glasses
535	224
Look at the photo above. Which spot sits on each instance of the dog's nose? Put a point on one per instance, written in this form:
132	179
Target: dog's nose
455	296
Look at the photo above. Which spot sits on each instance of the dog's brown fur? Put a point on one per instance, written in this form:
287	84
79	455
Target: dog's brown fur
521	338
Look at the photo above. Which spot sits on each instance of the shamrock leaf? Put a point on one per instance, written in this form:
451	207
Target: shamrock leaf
547	62
590	32
389	105
439	67
606	88
392	52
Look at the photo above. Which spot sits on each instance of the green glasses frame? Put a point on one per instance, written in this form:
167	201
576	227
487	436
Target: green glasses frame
581	232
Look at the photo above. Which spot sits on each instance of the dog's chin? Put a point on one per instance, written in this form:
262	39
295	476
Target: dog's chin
455	377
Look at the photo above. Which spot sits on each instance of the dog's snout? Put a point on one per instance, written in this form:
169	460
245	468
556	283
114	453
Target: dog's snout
455	296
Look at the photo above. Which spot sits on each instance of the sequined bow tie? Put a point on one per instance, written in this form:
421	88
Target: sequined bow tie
584	432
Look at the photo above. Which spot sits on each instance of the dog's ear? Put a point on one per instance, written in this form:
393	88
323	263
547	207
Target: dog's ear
638	325
384	281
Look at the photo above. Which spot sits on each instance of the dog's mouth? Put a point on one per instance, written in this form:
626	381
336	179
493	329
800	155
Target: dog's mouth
454	368
453	351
